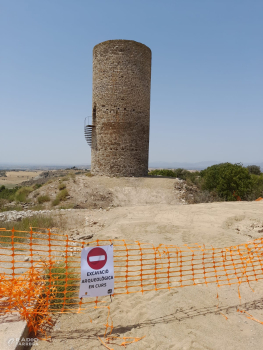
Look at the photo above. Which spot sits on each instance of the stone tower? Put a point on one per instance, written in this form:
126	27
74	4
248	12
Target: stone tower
121	108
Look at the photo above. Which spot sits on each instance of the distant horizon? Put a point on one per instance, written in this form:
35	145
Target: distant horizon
154	164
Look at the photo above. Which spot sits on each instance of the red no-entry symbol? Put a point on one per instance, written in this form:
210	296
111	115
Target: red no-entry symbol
97	258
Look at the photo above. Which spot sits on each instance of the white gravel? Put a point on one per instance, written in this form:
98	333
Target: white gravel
14	215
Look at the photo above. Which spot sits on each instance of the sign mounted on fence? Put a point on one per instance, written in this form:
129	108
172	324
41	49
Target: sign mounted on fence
97	272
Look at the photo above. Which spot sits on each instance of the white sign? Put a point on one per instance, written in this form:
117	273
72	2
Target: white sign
97	272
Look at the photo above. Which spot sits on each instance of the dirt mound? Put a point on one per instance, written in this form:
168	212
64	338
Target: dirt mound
103	192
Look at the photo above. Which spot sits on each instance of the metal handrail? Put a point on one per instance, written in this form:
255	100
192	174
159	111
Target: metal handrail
88	121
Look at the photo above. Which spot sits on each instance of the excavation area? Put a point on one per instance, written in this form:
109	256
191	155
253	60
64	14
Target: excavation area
151	211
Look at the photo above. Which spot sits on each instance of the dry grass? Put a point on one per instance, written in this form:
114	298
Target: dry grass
62	186
14	178
24	225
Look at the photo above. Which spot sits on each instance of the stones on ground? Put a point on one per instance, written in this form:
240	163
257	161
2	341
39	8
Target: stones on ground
86	237
186	192
14	215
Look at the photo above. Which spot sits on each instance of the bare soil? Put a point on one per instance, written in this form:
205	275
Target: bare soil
150	210
103	192
185	318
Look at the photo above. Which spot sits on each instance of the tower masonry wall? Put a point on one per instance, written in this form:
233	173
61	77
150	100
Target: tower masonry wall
121	108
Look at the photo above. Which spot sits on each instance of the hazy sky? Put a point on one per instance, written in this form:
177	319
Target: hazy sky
207	76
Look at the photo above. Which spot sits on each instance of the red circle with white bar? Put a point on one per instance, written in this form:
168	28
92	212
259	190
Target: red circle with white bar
97	258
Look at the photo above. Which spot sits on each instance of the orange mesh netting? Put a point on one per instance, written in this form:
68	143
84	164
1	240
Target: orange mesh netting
40	271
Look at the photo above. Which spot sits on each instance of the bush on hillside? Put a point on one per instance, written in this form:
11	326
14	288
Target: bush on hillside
22	193
228	181
257	187
37	186
254	169
162	172
8	193
61	196
219	182
179	173
43	199
191	177
62	186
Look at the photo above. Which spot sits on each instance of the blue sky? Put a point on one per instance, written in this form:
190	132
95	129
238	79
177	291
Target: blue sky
207	76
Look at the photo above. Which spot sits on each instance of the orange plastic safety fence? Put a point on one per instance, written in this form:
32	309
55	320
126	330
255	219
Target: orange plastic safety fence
40	271
250	316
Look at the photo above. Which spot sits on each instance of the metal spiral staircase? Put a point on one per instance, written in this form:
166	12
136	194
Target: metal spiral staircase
88	130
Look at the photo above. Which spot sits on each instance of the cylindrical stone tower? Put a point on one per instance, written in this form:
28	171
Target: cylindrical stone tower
121	108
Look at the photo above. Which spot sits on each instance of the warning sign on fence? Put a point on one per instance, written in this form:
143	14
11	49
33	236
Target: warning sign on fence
97	272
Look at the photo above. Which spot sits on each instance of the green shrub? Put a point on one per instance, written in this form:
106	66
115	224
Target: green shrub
55	202
61	186
65	286
22	193
43	199
90	175
162	172
8	193
257	187
61	196
37	207
33	221
254	169
189	176
5	206
67	206
66	178
227	180
182	174
37	186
